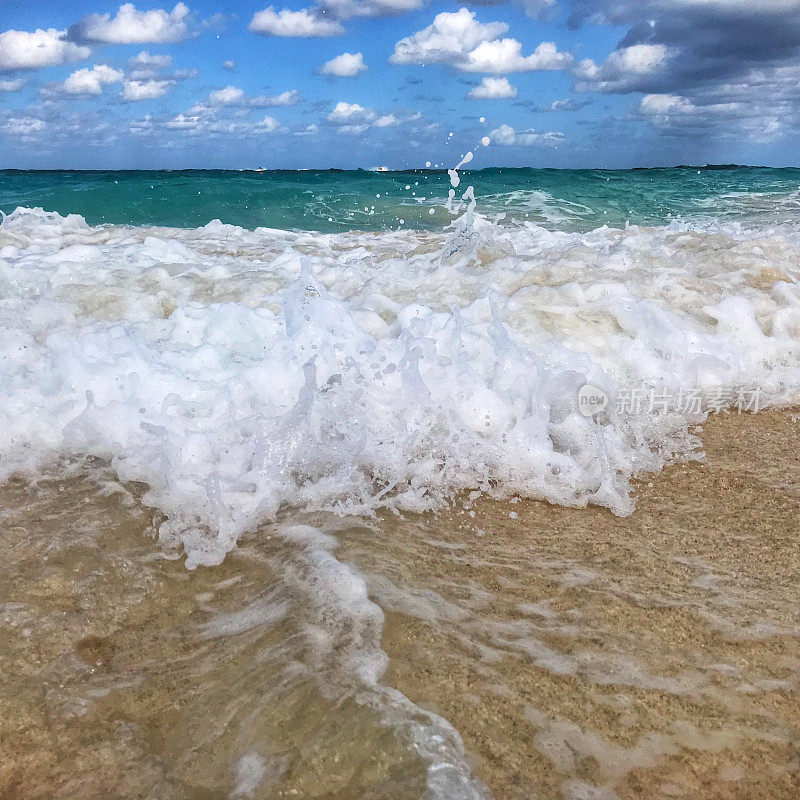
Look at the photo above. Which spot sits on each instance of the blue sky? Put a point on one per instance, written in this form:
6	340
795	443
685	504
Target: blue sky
552	83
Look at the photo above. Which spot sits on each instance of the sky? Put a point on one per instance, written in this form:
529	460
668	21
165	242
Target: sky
398	83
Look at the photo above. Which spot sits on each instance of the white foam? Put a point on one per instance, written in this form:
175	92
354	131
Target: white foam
341	628
240	372
249	773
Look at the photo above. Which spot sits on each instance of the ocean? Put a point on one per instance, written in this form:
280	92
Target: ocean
273	444
335	201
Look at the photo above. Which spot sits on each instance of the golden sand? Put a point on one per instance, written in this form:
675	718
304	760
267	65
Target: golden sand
579	655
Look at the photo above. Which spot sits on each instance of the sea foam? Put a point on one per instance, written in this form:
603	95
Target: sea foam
243	373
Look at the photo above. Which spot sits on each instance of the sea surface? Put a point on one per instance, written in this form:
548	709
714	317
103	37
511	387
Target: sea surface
334	201
279	381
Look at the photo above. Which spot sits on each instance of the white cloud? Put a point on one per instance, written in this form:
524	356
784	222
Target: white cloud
309	130
288	98
23	127
147	62
505	135
234	96
493	89
229	96
182	122
675	113
663	105
13	85
133	90
537	8
205	121
268	125
622	69
567	104
345	9
353	130
349	113
447	40
40	48
87	82
346	65
230	65
183	74
130	26
354	119
505	55
304	23
459	40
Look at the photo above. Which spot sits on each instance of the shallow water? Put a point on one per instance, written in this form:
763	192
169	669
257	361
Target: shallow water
239	372
507	650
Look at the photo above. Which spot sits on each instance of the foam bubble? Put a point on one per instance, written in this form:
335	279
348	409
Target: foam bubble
240	372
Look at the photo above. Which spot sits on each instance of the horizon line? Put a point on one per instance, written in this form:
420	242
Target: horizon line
384	171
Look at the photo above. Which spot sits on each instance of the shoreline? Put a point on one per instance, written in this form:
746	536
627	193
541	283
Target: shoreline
578	654
708	562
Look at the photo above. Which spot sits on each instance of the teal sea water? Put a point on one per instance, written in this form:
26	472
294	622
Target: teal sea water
333	201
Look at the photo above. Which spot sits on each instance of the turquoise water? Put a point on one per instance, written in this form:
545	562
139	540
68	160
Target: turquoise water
358	200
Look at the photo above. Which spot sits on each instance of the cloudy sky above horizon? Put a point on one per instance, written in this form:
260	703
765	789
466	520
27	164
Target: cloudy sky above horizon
362	83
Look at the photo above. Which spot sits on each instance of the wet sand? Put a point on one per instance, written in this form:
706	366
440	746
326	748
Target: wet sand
578	655
683	620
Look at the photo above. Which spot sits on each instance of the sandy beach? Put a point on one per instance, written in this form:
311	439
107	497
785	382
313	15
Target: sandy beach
577	654
400	400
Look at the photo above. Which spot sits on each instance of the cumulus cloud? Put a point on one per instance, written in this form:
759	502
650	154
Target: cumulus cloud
718	52
202	121
347	113
459	40
86	82
506	136
230	95
23	127
567	104
49	124
234	96
305	23
625	70
447	40
309	130
492	89
136	90
355	119
346	65
229	65
665	105
505	55
183	122
680	116
130	26
707	40
36	49
147	63
288	98
12	85
386	121
268	125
